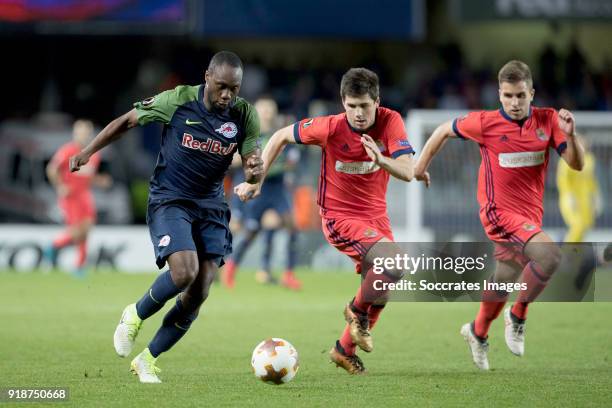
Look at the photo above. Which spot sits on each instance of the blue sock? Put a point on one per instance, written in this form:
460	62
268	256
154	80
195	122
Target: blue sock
176	323
160	292
267	252
242	248
291	250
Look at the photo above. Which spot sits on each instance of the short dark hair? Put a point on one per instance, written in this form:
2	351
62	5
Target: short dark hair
358	82
225	58
515	71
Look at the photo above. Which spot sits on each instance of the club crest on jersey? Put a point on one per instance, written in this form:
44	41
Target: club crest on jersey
164	241
228	130
370	233
149	101
307	123
541	135
528	227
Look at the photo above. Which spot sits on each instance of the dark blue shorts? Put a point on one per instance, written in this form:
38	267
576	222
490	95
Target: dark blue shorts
273	196
184	226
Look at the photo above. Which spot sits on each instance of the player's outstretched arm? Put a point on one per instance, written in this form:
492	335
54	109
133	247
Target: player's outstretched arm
574	153
273	149
113	131
401	167
431	148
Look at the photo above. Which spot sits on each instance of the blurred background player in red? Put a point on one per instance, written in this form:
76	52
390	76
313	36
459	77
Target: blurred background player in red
514	141
268	211
75	198
361	148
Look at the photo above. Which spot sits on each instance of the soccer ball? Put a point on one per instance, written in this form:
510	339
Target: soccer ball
275	361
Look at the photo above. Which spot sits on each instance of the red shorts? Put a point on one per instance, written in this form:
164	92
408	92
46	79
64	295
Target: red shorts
77	209
354	237
510	232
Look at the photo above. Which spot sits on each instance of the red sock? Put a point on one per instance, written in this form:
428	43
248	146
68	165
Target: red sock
374	313
346	342
491	306
536	281
62	240
82	254
367	294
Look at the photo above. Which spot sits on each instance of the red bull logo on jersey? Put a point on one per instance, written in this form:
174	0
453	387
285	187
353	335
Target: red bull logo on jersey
228	130
208	145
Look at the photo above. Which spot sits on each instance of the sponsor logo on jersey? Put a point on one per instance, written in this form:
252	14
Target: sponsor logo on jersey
208	145
164	241
370	233
148	101
528	227
228	130
504	138
521	159
541	135
356	167
345	147
307	123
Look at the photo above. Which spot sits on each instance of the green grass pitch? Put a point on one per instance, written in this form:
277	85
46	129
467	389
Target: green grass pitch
57	331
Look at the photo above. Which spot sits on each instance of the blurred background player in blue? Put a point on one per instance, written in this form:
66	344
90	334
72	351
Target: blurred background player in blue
269	211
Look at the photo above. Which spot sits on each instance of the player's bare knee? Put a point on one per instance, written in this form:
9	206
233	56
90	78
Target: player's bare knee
184	275
550	261
394	274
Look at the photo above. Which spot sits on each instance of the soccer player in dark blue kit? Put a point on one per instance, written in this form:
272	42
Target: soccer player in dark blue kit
187	214
274	197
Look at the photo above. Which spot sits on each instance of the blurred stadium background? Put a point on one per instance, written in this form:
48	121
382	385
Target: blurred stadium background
68	59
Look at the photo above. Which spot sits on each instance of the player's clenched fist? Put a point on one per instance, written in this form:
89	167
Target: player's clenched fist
253	170
246	191
566	122
75	162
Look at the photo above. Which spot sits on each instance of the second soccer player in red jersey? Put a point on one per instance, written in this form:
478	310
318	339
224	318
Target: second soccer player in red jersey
74	194
361	148
514	144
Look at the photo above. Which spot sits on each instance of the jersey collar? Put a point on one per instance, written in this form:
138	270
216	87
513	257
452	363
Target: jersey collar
509	119
361	132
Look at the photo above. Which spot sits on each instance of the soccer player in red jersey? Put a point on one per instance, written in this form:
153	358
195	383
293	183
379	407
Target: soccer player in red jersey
74	194
514	144
361	148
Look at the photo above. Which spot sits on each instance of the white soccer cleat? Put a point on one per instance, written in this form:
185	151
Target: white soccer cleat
478	348
144	367
126	331
514	334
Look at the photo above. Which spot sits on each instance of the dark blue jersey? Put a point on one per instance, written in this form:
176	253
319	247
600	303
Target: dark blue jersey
197	145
